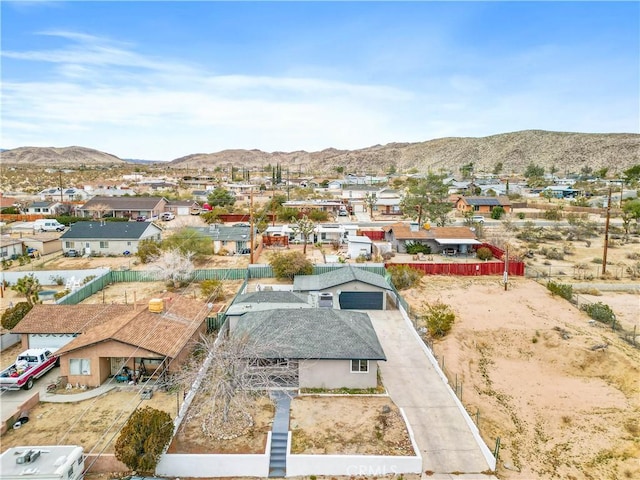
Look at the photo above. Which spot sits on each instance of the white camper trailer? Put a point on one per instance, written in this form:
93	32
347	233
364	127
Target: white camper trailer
56	462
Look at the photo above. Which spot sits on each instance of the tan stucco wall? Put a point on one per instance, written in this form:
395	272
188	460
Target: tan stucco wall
100	357
335	374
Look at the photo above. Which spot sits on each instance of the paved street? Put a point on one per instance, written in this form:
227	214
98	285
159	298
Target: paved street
443	436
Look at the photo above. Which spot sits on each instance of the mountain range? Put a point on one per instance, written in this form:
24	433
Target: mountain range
513	152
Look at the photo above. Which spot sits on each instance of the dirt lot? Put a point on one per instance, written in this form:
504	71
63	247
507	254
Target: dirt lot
327	425
92	423
524	360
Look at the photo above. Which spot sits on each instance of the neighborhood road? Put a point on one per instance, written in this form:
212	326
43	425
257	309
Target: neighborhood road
445	439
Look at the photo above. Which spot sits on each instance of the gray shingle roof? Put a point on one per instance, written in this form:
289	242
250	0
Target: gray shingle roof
124	203
224	233
108	230
346	274
318	333
271	297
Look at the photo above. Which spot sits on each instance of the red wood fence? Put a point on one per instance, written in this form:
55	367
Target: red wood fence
373	234
465	269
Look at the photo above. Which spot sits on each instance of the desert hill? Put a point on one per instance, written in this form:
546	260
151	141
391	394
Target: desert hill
51	156
567	152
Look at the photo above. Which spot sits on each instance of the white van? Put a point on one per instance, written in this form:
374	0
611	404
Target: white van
48	225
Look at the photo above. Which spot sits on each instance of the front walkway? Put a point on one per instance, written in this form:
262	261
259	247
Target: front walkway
444	438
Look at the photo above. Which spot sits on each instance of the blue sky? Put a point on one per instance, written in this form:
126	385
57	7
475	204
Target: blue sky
160	80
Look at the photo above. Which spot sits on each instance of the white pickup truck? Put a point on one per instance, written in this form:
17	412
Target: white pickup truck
30	365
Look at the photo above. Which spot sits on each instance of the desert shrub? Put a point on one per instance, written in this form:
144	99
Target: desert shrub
386	256
484	253
552	214
568	249
143	439
318	216
634	270
633	256
6	263
288	265
562	290
552	253
596	260
417	247
497	213
361	258
403	276
212	290
599	311
88	278
13	315
59	295
521	215
147	250
57	279
439	318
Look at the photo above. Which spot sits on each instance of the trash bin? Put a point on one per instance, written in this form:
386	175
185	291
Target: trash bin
146	394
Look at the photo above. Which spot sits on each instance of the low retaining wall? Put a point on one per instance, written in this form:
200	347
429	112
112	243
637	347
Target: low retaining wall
8	340
354	465
212	465
45	276
8	421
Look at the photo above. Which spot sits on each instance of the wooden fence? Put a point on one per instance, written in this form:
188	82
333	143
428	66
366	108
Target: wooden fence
465	269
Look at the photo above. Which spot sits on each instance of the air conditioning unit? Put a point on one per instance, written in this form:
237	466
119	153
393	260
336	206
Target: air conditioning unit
28	456
325	300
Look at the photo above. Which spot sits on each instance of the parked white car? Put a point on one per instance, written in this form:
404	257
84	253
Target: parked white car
167	216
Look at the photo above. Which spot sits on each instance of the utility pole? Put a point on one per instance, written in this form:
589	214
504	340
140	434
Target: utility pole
505	277
60	183
606	235
251	224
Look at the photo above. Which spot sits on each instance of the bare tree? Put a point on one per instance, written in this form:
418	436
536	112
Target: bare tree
238	369
99	210
173	266
370	200
304	227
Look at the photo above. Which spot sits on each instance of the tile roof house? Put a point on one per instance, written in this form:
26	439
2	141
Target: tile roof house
108	238
353	288
149	344
322	348
123	207
53	326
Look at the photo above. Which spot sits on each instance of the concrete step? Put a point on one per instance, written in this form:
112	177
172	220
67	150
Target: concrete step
277	473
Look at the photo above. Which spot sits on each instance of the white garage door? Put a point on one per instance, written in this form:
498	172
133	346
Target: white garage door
183	211
41	340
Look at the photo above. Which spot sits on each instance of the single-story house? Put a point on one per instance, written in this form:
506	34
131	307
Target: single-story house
149	343
53	326
108	238
353	288
452	240
123	207
70	194
400	234
180	207
200	195
483	204
264	300
44	208
359	245
231	239
317	347
10	248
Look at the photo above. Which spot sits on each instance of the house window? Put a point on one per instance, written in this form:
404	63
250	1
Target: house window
359	366
79	366
104	244
4	252
68	244
128	244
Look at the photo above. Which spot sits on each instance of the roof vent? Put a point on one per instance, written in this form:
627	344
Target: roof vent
29	456
156	305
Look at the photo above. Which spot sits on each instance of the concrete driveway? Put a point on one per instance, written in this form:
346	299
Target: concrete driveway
11	400
446	441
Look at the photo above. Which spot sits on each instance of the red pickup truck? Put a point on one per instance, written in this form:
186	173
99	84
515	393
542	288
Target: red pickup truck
30	365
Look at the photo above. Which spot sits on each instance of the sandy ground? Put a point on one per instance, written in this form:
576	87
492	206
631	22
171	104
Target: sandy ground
523	360
327	425
92	423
